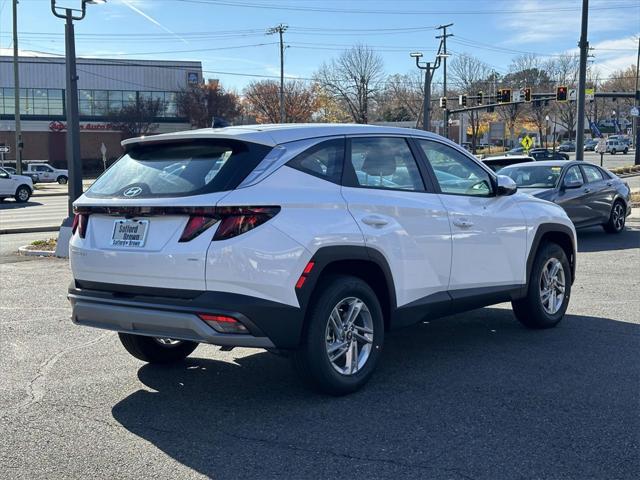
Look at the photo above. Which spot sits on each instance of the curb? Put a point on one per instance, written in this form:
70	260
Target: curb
8	231
35	253
42	194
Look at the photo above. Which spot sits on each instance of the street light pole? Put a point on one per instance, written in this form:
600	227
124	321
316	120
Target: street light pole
74	162
16	90
443	38
428	75
636	130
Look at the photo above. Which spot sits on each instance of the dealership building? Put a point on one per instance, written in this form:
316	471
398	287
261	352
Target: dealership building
104	86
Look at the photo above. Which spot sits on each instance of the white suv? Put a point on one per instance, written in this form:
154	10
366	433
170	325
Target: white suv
310	241
19	187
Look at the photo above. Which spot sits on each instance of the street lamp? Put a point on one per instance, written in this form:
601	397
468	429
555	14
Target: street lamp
428	74
546	133
74	163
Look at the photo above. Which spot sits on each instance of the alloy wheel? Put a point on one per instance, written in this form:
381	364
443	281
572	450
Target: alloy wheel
618	217
552	286
23	195
349	336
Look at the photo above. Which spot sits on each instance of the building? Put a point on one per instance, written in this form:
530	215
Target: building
104	85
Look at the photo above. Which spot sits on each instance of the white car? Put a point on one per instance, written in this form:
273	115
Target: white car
310	241
46	173
617	145
19	187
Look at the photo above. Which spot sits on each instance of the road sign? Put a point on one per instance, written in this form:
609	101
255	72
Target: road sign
589	93
573	94
634	112
5	149
527	142
601	147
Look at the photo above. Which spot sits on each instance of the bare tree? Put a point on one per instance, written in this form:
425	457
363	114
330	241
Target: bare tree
401	98
355	77
563	70
471	75
137	118
263	101
201	103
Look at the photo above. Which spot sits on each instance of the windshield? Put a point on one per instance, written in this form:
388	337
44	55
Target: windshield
179	169
533	176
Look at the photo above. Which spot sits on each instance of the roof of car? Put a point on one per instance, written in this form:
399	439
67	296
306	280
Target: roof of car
509	157
275	134
551	163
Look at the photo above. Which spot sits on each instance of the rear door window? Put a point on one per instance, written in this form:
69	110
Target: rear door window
179	169
593	174
384	162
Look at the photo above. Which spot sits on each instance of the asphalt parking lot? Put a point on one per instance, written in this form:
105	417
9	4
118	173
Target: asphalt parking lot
469	396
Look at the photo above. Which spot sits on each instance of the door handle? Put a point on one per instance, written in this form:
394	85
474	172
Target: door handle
587	190
375	221
462	223
609	184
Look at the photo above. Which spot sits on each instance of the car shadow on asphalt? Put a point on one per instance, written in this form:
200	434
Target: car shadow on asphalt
4	205
595	239
469	396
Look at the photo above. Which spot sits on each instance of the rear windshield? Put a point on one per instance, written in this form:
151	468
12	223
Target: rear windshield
179	169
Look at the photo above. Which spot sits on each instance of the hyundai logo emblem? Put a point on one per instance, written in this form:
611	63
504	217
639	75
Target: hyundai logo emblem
132	192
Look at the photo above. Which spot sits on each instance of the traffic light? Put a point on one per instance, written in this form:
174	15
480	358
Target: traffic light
443	102
480	98
561	94
504	95
527	94
462	100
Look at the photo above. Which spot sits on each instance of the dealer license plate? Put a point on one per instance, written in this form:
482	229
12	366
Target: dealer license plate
129	233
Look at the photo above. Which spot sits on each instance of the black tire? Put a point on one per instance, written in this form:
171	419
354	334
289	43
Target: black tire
151	350
613	152
625	151
311	360
62	180
530	310
23	193
617	218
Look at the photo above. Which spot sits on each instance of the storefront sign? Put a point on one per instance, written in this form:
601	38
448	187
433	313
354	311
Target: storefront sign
57	126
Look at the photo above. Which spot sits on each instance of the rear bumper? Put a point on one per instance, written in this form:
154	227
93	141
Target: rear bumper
173	314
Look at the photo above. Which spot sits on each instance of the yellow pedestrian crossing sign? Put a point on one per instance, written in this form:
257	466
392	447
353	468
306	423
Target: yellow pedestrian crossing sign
527	143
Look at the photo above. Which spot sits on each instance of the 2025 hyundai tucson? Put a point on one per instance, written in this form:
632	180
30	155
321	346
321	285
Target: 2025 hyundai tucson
311	240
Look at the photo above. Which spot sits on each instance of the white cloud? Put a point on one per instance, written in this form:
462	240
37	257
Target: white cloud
532	26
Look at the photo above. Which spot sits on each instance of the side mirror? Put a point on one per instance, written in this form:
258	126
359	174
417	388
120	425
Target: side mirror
506	186
570	184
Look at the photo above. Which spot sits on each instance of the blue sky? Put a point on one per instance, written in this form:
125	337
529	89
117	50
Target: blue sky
229	35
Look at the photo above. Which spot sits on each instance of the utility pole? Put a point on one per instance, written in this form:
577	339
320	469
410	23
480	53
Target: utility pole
280	29
429	69
16	90
636	130
582	80
443	38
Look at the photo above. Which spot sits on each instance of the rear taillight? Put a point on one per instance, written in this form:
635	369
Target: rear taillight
80	222
195	226
235	221
223	323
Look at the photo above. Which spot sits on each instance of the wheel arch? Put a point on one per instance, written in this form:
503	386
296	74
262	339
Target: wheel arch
556	233
359	261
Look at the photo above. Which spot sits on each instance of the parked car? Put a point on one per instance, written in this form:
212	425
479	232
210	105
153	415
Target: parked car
544	154
496	163
590	195
309	241
590	145
13	171
567	147
19	187
515	151
617	145
46	173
